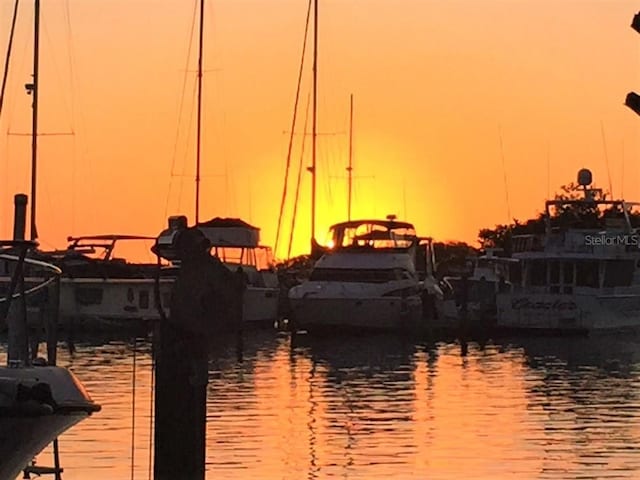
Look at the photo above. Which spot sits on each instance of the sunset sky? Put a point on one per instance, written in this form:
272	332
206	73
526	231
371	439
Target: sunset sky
446	93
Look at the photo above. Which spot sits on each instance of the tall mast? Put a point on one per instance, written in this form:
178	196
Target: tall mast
350	167
34	118
314	133
199	122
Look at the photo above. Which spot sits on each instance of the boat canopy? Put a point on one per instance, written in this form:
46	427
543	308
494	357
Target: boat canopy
372	234
230	232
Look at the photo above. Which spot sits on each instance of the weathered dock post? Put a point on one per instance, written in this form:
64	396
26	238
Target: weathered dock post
203	300
16	314
19	216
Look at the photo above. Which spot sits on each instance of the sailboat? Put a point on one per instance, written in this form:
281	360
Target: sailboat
235	242
97	289
376	274
38	400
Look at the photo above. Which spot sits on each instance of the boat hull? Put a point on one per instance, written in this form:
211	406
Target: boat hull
22	438
577	313
360	313
132	301
260	305
97	304
37	404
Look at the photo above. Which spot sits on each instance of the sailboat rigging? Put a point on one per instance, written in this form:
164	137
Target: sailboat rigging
314	128
234	242
199	121
32	89
7	58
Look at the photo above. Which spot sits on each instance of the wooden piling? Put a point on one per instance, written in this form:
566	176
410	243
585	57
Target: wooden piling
206	303
18	350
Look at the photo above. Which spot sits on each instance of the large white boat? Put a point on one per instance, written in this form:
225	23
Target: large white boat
237	245
583	273
375	275
100	290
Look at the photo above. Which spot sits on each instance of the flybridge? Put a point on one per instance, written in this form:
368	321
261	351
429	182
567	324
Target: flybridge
230	232
373	234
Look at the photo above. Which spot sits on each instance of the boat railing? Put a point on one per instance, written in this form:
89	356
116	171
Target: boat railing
48	267
18	352
528	243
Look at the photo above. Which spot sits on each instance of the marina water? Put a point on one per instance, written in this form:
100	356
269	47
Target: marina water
376	407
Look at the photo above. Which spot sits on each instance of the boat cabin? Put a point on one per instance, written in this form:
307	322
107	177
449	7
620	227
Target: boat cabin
236	242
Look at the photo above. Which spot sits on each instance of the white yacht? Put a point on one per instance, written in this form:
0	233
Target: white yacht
375	274
100	290
583	273
237	245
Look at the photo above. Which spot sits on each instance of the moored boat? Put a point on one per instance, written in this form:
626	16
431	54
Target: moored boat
583	274
237	245
375	275
38	400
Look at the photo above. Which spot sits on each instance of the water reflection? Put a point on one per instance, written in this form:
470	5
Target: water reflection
585	393
377	407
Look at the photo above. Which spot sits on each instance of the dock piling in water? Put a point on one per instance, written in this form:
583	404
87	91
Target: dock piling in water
206	303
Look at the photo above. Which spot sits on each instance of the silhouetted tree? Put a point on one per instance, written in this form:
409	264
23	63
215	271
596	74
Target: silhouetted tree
451	257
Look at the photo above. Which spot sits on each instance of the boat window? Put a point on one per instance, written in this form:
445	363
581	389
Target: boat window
618	273
538	273
88	296
369	275
143	299
567	273
587	274
554	272
515	273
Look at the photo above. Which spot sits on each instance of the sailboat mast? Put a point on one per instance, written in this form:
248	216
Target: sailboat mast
350	167
199	122
34	118
314	133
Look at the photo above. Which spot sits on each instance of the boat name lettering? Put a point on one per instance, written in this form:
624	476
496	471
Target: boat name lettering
526	303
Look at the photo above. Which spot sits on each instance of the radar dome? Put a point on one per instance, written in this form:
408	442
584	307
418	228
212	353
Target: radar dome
584	177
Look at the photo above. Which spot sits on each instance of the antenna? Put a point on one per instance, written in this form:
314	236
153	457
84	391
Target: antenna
622	173
504	174
606	157
404	196
350	167
548	171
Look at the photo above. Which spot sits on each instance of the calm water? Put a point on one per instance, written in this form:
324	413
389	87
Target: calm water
378	407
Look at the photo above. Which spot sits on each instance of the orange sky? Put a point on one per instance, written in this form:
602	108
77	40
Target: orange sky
439	85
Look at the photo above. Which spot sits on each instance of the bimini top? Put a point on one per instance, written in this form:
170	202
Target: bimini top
377	234
230	232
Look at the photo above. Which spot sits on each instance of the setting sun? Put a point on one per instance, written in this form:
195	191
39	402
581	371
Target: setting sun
465	115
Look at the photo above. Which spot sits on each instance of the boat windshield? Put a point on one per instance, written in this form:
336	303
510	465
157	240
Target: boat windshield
258	257
131	248
373	235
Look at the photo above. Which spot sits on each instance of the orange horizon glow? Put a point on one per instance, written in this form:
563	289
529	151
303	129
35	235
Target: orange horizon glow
466	115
